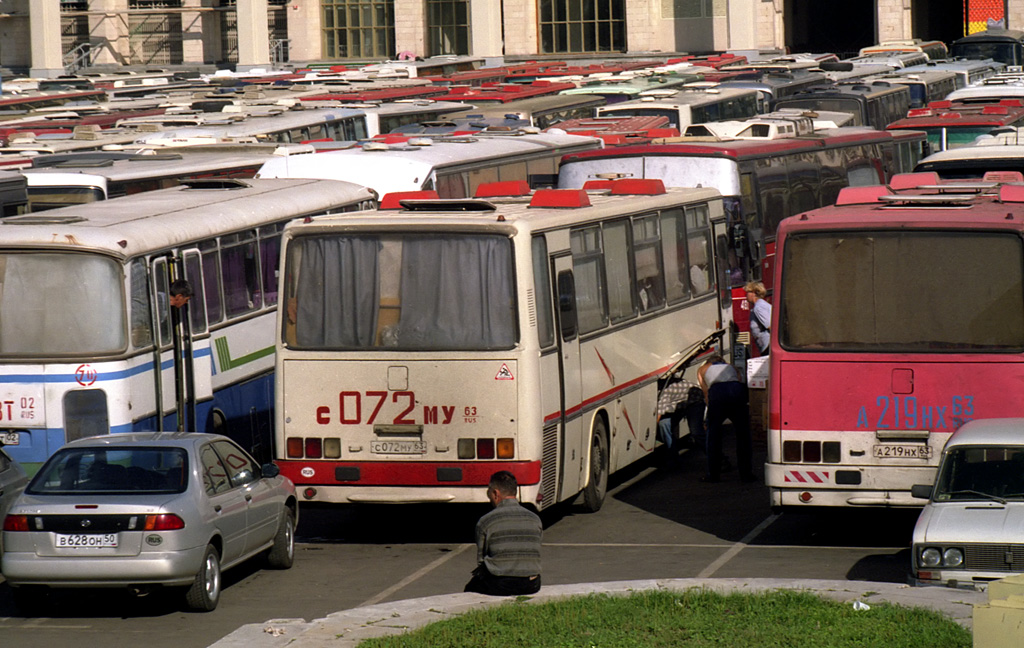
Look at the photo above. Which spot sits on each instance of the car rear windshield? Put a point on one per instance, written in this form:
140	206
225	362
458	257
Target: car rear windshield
112	470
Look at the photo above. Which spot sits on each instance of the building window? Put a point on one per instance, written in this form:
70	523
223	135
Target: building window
359	28
448	27
568	26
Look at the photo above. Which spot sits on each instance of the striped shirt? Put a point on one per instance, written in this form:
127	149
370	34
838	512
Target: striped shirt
508	540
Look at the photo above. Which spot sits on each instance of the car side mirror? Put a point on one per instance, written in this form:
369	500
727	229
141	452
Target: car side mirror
270	470
921	491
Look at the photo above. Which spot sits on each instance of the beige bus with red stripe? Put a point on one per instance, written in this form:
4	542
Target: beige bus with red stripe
424	348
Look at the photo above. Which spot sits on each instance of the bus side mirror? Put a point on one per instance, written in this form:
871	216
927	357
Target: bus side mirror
921	491
567	305
722	247
739	239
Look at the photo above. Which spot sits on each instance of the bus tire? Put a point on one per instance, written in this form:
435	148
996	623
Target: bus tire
219	422
204	594
597	483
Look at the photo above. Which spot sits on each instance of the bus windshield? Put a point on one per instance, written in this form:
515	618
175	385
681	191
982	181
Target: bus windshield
902	291
403	291
54	304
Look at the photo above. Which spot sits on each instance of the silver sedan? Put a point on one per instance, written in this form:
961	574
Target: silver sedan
147	509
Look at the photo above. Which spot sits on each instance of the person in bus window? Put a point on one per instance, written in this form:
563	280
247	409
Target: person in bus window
507	543
726	398
760	315
181	292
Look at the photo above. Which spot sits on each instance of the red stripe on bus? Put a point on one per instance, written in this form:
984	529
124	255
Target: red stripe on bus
407	473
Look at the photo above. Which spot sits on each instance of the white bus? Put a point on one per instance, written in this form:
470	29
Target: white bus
453	166
422	350
694	103
87	344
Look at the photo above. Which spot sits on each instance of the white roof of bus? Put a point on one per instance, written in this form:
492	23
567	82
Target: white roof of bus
161	219
691	94
512	211
1003	89
406	167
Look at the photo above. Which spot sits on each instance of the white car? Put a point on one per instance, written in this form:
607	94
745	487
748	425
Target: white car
971	531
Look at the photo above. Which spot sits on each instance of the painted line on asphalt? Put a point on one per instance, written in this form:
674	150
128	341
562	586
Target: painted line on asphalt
709	571
698	545
416	575
623	486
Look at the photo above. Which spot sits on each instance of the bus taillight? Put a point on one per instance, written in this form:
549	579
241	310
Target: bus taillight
314	448
506	449
294	448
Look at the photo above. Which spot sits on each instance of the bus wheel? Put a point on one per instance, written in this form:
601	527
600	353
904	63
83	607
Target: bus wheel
597	485
220	423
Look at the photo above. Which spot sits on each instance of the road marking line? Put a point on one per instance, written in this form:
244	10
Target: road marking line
416	575
698	545
709	571
643	473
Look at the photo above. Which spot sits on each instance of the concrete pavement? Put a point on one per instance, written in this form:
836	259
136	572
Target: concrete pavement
346	629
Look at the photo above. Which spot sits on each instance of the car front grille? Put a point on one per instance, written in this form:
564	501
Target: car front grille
994	557
85	523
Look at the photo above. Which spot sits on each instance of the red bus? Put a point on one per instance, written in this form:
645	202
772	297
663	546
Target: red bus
776	167
952	125
898	316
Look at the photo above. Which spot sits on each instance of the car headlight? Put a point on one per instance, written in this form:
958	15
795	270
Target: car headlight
931	557
953	557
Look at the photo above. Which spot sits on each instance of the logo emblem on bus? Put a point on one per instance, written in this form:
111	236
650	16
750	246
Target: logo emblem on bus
504	373
85	375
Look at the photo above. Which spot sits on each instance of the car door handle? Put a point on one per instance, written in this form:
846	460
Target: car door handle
217	508
248	497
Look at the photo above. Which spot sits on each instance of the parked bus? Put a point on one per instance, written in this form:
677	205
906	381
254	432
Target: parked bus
766	176
898	317
775	85
1003	45
694	103
967	71
422	350
872	103
625	87
539	112
59	180
86	335
933	49
925	87
994	152
452	166
952	126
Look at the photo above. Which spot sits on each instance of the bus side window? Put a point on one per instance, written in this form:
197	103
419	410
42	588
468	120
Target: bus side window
239	258
698	246
673	252
451	185
196	305
211	281
650	280
270	257
591	311
618	271
542	292
142	322
567	305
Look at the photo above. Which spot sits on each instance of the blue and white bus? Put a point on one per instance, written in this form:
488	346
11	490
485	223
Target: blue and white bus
88	340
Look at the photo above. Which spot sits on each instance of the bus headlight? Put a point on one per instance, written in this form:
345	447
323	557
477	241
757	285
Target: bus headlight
931	557
953	557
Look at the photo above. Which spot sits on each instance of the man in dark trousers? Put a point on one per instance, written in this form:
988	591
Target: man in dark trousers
507	543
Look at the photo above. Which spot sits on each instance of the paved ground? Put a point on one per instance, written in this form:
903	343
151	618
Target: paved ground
347	628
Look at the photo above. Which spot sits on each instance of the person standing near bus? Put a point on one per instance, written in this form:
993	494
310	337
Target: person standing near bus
760	315
726	398
507	543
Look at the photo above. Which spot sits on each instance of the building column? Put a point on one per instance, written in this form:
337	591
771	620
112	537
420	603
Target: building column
410	27
771	29
44	36
742	25
193	34
108	34
485	28
641	16
304	30
253	35
521	35
894	20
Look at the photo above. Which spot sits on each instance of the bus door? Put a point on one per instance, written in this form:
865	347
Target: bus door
574	444
182	353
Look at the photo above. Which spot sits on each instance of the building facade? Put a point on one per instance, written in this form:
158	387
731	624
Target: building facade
52	37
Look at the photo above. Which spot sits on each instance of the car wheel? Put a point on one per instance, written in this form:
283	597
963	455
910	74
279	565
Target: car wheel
204	593
597	485
30	600
282	553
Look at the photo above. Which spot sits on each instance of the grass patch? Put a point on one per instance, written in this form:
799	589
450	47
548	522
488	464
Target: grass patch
695	618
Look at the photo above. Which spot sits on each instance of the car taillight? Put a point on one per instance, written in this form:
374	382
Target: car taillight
16	523
163	522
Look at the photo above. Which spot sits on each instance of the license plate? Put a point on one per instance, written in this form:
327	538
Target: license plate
10	438
86	540
902	451
398	447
